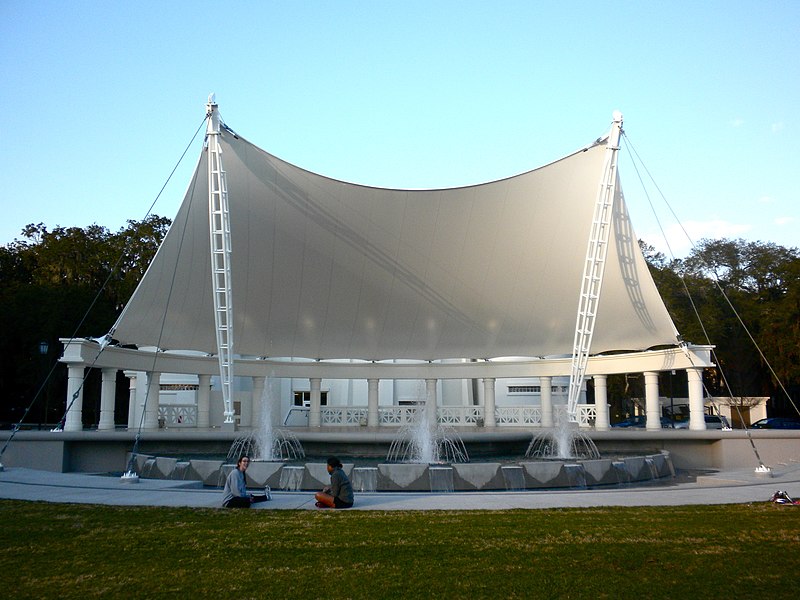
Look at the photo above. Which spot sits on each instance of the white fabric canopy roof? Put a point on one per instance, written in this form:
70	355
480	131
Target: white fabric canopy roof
327	269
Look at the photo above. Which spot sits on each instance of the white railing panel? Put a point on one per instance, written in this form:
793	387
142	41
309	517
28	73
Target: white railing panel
343	415
587	413
178	415
460	415
398	415
518	415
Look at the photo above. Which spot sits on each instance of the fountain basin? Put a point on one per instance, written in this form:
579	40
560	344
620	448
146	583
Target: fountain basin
520	475
480	476
262	473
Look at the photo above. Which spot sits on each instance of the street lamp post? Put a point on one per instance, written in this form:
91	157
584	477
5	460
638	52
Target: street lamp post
671	396
44	347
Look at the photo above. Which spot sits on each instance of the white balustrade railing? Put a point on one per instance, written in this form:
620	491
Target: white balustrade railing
398	415
178	415
460	415
518	415
343	415
456	416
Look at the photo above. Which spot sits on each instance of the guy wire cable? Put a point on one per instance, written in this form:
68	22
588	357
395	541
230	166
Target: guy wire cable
105	339
137	438
715	279
691	299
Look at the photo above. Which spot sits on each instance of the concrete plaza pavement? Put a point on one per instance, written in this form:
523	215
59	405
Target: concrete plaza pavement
722	487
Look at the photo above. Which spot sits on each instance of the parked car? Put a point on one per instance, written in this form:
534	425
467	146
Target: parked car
631	422
667	423
777	423
712	422
641	422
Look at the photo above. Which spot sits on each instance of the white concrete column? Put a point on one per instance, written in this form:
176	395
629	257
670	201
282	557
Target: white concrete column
489	419
315	413
245	410
372	403
546	390
74	422
273	402
430	402
697	409
203	401
131	375
151	400
108	391
601	402
258	402
652	409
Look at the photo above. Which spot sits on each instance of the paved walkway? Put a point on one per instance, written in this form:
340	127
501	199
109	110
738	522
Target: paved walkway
727	487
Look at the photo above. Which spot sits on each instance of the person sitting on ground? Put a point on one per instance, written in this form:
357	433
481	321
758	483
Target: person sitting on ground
235	492
340	492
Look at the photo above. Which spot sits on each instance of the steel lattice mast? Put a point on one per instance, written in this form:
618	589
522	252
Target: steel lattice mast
220	234
594	269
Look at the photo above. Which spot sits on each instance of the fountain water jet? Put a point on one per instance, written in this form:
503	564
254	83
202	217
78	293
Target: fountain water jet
564	441
267	443
426	441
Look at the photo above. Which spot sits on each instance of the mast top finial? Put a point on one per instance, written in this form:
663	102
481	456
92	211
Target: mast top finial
212	114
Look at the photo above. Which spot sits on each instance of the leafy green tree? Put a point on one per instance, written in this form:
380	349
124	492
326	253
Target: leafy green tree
48	281
727	288
761	280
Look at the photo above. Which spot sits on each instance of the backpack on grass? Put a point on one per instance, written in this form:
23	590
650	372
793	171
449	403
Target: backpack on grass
780	497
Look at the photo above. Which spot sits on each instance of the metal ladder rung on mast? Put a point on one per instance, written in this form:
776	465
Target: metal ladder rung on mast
594	268
220	240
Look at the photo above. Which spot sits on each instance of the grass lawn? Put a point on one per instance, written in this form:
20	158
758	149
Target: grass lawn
87	551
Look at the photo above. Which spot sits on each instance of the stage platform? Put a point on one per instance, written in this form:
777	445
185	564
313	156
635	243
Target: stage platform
93	451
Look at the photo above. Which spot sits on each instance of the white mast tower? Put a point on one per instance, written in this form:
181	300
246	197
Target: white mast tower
594	268
220	232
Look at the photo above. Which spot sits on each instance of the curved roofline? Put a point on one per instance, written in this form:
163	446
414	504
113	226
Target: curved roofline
598	142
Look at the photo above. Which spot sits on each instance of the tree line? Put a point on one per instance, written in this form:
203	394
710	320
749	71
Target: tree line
744	298
49	278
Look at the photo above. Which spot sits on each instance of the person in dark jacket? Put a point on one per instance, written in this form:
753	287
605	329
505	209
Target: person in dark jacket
340	492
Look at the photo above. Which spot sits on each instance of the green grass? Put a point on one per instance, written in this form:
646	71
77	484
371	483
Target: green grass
86	551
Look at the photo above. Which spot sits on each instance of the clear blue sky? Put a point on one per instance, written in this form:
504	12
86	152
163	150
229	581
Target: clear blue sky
99	100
